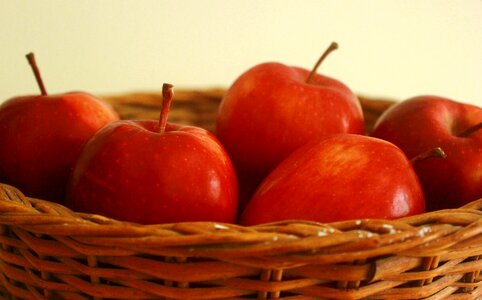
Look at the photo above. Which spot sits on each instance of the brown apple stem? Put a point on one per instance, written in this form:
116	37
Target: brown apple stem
166	104
470	130
36	71
330	49
433	153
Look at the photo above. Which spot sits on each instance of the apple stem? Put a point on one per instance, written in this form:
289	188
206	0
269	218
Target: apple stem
330	49
166	104
432	153
36	71
470	130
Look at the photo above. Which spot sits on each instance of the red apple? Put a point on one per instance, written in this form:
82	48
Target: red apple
41	137
345	176
273	109
424	122
155	172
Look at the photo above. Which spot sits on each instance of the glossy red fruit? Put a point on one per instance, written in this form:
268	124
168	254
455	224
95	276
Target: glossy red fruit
273	109
420	123
41	137
340	177
155	172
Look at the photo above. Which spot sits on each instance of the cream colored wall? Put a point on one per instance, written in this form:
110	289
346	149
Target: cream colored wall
394	49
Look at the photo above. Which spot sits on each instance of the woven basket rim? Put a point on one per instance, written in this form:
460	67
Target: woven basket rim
436	232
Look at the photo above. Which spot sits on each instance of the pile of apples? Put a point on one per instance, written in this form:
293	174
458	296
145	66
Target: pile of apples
289	144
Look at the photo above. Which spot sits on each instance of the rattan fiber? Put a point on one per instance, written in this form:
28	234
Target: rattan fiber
50	252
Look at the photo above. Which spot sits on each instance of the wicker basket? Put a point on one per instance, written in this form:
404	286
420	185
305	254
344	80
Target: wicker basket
50	252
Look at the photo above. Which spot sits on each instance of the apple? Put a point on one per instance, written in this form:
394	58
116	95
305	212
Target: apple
153	172
424	122
273	109
42	135
340	177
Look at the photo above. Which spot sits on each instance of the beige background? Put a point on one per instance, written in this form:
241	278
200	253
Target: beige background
395	49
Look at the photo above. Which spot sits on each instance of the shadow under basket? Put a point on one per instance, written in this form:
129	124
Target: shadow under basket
50	252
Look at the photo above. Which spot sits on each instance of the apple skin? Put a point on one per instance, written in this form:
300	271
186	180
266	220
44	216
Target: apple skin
131	172
423	122
41	138
339	177
270	111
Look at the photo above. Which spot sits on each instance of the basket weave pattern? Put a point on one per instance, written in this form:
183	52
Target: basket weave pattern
49	252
